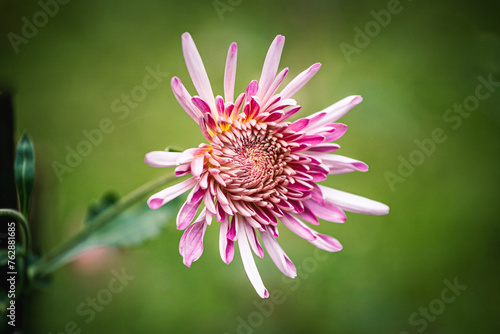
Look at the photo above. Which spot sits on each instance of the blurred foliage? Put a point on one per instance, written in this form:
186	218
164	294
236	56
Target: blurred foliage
71	82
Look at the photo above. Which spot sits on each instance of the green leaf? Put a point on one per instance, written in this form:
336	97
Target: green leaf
130	228
24	172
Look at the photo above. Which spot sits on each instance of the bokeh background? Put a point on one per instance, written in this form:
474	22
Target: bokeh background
443	224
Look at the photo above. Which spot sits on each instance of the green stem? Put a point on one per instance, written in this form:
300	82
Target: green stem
57	257
25	234
25	241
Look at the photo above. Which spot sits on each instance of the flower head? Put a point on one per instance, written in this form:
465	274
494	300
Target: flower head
257	168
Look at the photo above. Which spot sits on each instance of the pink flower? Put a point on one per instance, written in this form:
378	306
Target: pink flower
258	168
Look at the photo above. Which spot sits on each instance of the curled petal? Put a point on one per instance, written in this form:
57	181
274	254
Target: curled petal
191	245
353	203
184	99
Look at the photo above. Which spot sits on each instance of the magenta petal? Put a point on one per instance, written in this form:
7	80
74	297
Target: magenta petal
297	227
271	64
254	242
249	264
280	259
327	243
326	211
186	214
162	158
191	246
353	203
196	70
337	110
184	99
168	194
226	245
299	81
339	164
201	105
230	73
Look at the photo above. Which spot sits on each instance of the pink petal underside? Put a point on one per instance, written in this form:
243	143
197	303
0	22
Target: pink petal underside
192	247
271	64
326	211
353	203
196	70
339	164
187	213
299	81
230	73
280	259
254	242
226	246
324	148
184	99
187	156
290	112
197	165
201	105
252	88
297	227
274	87
298	125
162	158
249	263
308	216
168	194
336	110
327	243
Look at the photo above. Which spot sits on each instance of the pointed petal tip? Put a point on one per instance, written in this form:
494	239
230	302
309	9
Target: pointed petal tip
266	294
315	67
186	36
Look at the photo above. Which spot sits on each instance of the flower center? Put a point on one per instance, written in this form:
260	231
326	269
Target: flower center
252	160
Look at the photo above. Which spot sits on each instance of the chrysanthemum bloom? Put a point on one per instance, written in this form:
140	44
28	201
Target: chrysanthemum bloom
258	168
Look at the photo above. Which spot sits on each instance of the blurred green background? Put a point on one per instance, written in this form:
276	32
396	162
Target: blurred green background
443	223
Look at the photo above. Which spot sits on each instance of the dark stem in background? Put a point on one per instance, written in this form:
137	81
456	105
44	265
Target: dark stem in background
8	194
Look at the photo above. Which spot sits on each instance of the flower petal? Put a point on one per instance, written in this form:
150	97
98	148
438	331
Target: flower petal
297	227
326	211
230	73
335	111
196	70
340	164
168	194
184	99
191	245
271	64
353	203
280	259
162	158
226	245
249	262
299	81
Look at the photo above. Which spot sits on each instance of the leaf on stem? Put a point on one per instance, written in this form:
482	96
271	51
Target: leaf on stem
24	172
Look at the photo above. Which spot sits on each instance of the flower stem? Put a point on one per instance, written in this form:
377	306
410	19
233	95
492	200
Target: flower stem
58	257
25	234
